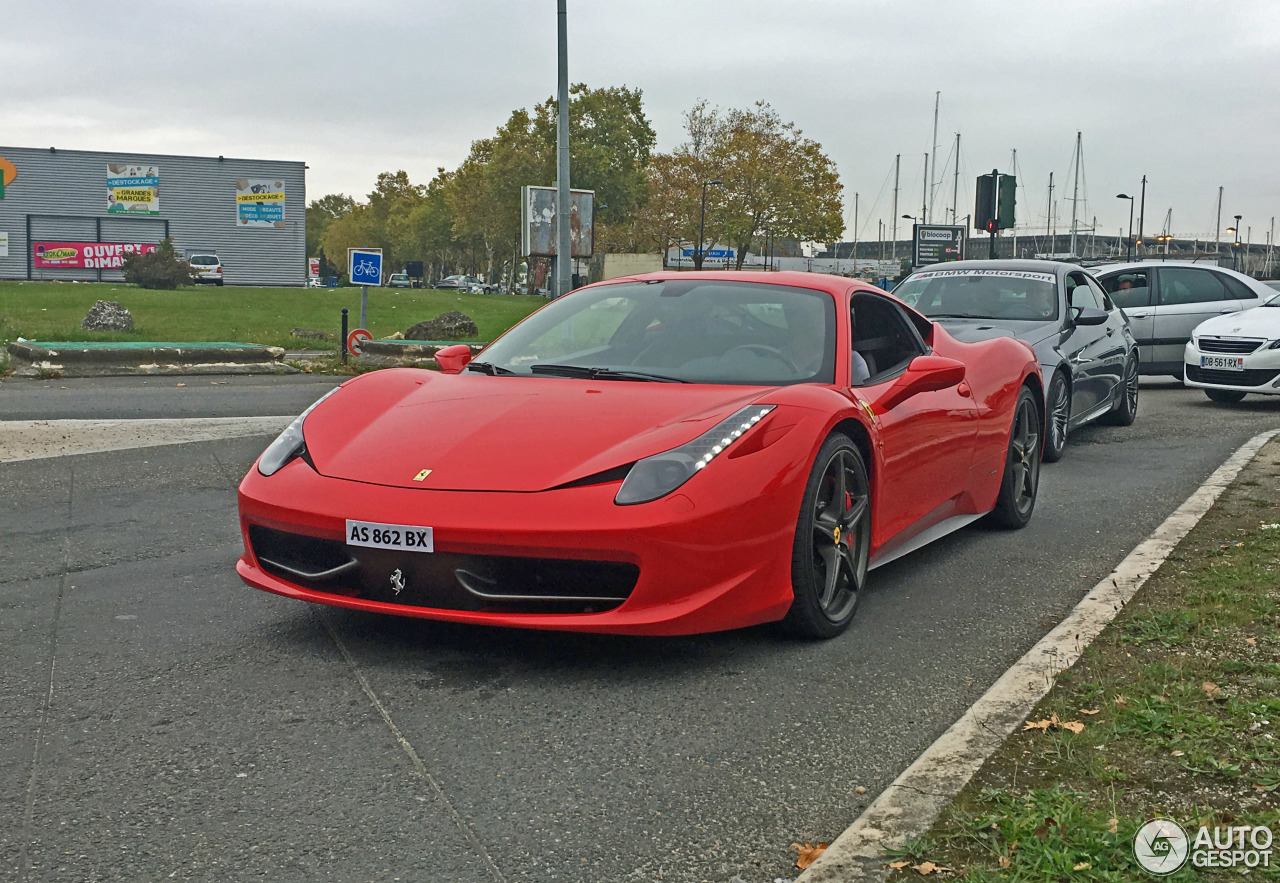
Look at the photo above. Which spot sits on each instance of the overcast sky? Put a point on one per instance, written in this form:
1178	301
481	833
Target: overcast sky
1175	90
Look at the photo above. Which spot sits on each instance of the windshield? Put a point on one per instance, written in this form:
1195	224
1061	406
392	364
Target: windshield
698	331
982	294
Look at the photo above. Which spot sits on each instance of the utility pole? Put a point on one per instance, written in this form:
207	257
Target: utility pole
1013	164
1217	228
564	246
1048	220
924	219
1142	213
897	166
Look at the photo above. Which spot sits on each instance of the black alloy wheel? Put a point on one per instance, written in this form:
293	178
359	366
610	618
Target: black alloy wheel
1225	396
1058	403
832	542
1125	410
1017	499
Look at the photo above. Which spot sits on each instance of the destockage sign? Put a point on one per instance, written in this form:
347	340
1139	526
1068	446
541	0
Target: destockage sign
85	255
133	189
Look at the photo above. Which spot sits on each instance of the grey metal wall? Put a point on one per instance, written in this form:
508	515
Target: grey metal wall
63	193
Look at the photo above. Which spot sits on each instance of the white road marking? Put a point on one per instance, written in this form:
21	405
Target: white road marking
36	439
912	803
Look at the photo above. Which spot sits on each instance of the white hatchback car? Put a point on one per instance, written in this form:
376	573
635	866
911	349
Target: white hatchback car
207	266
1235	354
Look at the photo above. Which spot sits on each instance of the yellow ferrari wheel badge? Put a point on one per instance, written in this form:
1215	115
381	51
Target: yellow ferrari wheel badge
421	475
835	535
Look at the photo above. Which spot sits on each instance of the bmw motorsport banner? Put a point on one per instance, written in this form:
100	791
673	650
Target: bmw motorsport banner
133	189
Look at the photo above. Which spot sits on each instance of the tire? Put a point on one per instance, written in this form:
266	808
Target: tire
1058	405
1125	411
1021	482
218	283
832	542
1225	396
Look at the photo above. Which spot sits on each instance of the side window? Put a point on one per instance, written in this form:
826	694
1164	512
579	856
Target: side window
1237	289
884	341
1180	285
1099	294
1128	289
1081	295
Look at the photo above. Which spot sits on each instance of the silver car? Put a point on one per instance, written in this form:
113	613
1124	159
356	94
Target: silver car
1166	300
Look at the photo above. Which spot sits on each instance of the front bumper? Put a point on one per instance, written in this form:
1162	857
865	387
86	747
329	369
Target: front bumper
1259	370
709	557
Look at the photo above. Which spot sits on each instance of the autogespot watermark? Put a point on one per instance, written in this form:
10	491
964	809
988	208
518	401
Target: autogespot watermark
1162	846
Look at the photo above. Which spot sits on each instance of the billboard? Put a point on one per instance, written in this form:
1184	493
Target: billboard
538	222
133	189
936	243
259	202
85	255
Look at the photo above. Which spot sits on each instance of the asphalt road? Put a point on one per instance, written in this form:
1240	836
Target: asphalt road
163	721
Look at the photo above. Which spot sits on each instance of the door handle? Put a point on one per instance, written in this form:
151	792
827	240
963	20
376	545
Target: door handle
1139	315
1110	331
1079	359
1226	310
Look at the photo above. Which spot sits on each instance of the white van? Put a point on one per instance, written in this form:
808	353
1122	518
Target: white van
207	266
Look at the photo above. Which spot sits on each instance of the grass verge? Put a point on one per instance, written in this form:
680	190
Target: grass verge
1173	712
54	311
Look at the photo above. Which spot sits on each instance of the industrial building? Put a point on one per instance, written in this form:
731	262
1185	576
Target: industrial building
75	214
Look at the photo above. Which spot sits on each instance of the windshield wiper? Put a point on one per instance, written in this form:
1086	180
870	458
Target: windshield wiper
955	316
488	368
602	373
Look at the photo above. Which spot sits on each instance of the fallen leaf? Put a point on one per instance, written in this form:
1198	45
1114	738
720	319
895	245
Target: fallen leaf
1037	725
808	854
1178	752
1251	640
1212	690
924	869
898	866
1112	824
1005	862
1121	702
1083	866
1090	710
1043	830
1073	726
181	384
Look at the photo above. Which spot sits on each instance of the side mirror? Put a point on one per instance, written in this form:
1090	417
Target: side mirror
452	359
1090	316
924	374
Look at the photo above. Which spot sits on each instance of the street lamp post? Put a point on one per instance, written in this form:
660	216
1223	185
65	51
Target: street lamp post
702	224
1235	244
1128	246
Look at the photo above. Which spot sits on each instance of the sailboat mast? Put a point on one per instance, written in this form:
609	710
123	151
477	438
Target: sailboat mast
955	182
1075	194
1013	164
1217	227
924	219
1048	219
897	167
924	194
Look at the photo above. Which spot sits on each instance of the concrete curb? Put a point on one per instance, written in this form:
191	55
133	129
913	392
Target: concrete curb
30	359
913	802
407	353
39	439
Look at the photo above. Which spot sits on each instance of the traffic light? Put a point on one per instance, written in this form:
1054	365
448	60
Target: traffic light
994	208
984	210
1007	193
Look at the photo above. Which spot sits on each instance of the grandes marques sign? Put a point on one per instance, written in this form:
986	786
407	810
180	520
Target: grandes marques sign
85	255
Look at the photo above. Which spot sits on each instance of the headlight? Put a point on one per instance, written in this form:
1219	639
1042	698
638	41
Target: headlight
289	443
659	475
1274	345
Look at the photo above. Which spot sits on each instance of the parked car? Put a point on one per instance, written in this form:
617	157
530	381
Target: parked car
399	280
1165	301
1233	355
695	454
1087	354
473	284
207	266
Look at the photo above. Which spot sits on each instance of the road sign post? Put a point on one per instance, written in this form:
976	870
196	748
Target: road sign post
365	269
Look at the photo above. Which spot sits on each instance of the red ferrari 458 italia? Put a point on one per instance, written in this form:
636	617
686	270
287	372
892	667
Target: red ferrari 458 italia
662	454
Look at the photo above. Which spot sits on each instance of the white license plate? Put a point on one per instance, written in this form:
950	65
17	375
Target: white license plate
1223	363
402	537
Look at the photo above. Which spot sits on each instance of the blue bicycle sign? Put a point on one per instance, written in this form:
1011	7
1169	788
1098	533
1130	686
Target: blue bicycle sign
365	265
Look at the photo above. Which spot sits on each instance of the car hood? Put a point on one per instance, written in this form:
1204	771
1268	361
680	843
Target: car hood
1256	322
480	433
974	330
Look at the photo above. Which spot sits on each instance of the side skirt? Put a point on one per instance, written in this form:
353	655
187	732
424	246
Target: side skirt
926	536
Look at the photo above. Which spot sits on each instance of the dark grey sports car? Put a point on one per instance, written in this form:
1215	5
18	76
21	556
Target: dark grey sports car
1086	350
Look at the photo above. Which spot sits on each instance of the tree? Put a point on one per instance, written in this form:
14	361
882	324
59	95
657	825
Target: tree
320	212
771	176
161	269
